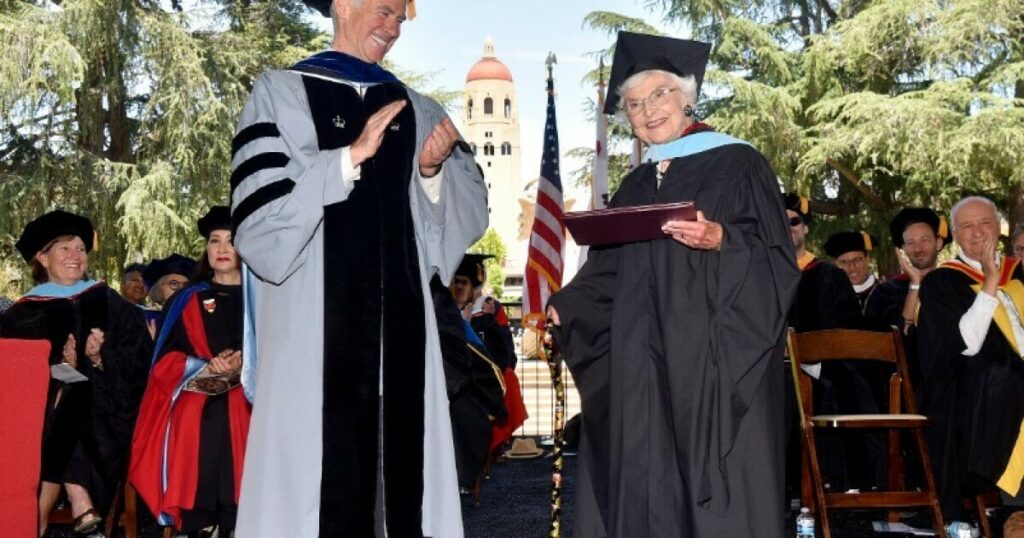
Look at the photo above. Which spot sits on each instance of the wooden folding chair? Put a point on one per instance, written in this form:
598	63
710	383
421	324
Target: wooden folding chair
849	345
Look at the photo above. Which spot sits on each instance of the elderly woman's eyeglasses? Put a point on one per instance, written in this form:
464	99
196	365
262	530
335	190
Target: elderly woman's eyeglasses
175	284
655	100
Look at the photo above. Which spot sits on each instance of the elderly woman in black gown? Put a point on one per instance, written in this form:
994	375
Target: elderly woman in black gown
676	343
96	333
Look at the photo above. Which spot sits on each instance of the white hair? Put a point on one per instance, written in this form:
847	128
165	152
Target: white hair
687	85
971	199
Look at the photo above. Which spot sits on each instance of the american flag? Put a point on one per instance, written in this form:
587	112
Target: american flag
543	274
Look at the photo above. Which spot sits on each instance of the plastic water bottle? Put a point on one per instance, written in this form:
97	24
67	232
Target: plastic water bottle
961	529
805	524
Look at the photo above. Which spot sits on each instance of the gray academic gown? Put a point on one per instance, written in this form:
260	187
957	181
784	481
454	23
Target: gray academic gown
279	208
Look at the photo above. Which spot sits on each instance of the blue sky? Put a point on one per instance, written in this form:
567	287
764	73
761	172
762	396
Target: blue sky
447	36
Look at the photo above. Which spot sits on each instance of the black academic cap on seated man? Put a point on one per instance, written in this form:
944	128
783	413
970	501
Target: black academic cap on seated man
173	264
914	215
217	218
324	7
640	52
472	267
50	226
799	204
843	242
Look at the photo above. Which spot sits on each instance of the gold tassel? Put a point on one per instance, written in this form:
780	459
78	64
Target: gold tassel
410	10
805	205
95	240
943	228
867	241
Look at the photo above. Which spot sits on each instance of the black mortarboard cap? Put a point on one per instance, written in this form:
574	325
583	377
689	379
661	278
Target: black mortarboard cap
843	242
50	226
323	6
913	215
217	218
132	267
640	52
801	205
472	267
173	264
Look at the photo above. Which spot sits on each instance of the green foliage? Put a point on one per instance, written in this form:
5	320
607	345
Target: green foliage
868	107
124	111
491	244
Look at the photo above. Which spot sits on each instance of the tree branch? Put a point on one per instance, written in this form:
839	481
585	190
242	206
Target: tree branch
854	180
832	16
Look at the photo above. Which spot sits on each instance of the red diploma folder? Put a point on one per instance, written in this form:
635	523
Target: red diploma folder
626	224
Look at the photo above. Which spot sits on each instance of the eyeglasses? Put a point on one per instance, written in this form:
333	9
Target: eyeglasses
176	284
795	221
654	101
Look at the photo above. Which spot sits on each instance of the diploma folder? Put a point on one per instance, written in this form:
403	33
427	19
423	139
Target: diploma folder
625	224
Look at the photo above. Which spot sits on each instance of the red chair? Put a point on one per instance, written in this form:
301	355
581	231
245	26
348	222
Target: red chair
25	373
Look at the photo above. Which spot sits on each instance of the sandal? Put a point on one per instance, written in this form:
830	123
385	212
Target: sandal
88	522
1014	526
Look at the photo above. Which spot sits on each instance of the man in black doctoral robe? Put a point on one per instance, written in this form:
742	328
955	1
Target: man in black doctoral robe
674	342
970	337
824	299
919	234
852	253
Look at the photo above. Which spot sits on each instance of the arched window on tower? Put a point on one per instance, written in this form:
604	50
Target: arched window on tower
488	106
508	108
472	146
506	148
469	109
488	149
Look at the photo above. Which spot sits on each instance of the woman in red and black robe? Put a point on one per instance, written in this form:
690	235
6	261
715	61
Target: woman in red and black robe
189	442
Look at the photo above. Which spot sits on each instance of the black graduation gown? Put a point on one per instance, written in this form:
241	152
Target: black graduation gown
474	385
975	404
86	437
824	300
671	349
497	338
884	310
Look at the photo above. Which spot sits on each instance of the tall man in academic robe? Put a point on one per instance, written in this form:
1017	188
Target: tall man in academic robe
349	191
970	338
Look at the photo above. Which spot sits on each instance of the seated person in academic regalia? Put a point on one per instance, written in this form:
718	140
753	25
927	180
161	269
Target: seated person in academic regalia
1017	242
163	278
487	317
194	398
100	348
852	253
919	235
826	300
970	338
474	384
133	286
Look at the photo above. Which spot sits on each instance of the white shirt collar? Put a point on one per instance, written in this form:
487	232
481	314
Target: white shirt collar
865	285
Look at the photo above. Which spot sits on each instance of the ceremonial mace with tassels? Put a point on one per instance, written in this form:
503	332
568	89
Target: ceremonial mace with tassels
553	356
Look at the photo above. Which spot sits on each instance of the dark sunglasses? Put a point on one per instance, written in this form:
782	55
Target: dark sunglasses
795	221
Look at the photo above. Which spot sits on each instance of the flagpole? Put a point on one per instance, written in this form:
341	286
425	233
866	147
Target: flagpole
553	359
